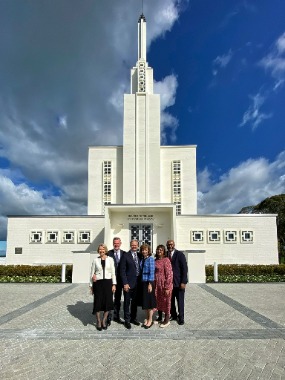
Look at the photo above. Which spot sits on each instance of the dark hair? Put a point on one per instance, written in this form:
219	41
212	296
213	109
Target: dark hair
145	246
164	251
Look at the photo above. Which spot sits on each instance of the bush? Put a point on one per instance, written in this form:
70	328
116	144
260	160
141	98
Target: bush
34	273
247	273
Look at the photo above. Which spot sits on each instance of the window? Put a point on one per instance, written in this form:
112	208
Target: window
214	236
230	236
246	236
176	185
197	236
107	185
52	237
36	237
141	77
84	237
68	237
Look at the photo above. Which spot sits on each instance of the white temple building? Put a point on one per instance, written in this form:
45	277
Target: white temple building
142	191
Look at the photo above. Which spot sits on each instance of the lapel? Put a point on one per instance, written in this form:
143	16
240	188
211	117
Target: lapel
174	255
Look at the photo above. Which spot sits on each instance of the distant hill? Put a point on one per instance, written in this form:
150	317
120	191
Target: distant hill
272	205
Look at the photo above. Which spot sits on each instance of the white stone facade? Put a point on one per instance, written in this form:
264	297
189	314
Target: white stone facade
145	191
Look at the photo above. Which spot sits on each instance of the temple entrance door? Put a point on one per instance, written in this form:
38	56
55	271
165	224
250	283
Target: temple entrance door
141	232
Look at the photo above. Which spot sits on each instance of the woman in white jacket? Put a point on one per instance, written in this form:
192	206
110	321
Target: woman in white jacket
103	285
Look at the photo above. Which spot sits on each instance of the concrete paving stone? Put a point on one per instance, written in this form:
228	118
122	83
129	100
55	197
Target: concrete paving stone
275	377
223	373
246	371
55	335
267	300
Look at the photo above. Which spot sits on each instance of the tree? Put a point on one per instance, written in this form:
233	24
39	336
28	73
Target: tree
272	205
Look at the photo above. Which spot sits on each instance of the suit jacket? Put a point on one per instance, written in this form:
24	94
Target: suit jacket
96	268
179	268
111	253
128	269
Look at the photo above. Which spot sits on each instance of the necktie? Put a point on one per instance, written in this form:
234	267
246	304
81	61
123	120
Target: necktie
136	263
117	257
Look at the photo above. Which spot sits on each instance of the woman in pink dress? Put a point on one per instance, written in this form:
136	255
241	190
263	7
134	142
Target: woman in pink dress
163	284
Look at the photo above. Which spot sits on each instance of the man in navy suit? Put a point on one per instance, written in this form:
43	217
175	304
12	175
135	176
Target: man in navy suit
117	253
180	270
130	271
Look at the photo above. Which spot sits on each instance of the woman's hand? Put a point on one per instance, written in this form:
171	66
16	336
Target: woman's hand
113	288
149	288
94	277
167	292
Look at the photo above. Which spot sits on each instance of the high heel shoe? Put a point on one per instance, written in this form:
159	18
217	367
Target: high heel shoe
148	327
98	325
104	326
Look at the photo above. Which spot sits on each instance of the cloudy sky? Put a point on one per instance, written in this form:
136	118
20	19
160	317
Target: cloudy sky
65	64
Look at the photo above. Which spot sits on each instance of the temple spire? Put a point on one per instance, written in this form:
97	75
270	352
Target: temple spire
142	38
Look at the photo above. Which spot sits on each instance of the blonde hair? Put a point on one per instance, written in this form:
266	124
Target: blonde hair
104	246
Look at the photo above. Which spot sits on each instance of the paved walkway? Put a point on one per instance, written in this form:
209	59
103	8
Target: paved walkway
232	331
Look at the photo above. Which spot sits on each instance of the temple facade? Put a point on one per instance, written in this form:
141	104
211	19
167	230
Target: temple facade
142	190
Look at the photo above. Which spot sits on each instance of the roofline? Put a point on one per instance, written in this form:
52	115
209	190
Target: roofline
55	216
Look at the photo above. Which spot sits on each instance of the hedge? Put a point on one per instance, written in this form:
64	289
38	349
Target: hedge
247	273
34	273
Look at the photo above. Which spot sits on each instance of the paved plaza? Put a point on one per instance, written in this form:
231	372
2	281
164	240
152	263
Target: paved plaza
232	331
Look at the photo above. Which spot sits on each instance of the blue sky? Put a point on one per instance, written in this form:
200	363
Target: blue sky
218	65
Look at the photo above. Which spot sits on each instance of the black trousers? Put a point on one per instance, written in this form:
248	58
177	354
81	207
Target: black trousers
130	304
179	295
117	301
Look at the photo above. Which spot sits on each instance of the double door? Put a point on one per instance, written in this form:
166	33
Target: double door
142	233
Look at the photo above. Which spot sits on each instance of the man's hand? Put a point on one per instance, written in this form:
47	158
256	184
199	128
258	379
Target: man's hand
182	286
113	288
149	288
126	287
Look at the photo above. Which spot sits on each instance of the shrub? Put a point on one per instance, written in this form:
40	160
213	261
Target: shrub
34	273
247	273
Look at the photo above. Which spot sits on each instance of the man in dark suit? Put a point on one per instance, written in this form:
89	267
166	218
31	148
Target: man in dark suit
180	270
117	253
130	271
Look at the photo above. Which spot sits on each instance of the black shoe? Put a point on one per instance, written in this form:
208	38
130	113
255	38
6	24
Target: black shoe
181	322
128	325
135	322
99	328
148	327
158	319
118	320
109	322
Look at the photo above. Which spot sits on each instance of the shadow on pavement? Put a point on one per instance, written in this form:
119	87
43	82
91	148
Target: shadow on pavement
83	312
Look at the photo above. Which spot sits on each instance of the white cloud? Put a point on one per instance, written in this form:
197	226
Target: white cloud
253	115
61	90
245	185
221	61
167	88
21	199
275	60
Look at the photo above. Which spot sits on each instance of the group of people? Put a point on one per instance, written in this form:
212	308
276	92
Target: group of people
155	284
